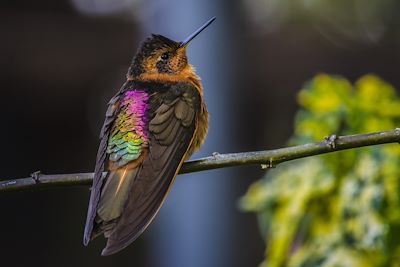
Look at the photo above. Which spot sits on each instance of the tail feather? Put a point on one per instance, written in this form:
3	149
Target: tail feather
114	193
113	198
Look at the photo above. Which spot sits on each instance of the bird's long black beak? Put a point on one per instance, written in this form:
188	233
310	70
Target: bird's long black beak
185	42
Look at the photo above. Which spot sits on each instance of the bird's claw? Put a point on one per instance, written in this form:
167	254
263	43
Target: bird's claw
331	140
36	176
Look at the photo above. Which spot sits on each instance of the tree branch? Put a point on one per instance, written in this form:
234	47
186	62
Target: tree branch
267	158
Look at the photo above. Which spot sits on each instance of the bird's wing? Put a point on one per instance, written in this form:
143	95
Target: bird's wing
138	181
171	129
112	110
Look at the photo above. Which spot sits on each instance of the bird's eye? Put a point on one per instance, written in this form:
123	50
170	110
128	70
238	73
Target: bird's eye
165	56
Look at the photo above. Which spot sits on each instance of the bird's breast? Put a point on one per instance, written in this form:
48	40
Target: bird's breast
201	127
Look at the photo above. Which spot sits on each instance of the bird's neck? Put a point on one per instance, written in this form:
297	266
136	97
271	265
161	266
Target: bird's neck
188	75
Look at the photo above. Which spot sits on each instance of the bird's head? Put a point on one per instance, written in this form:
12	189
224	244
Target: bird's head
159	55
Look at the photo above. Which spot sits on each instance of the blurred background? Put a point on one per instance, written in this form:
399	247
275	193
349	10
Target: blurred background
62	60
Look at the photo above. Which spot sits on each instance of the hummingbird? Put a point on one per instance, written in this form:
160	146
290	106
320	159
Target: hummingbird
152	125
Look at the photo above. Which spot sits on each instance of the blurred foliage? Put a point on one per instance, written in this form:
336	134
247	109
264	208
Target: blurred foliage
340	209
339	21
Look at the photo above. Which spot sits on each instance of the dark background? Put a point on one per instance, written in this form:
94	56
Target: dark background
62	60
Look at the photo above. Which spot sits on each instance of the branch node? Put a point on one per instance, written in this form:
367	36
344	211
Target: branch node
215	154
397	131
36	176
331	140
264	166
269	165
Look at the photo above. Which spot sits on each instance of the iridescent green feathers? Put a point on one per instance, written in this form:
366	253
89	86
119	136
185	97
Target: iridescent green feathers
129	134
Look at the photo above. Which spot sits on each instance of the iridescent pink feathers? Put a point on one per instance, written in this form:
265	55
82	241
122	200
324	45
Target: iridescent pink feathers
129	134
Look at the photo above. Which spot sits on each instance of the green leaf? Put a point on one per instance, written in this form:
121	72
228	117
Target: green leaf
341	209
